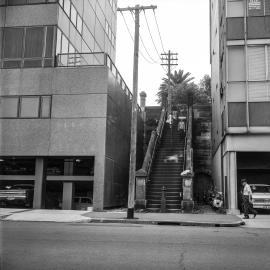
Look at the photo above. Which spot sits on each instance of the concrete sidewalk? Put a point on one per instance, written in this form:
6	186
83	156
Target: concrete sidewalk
209	220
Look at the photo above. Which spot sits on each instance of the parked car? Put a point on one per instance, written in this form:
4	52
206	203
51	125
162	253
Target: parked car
260	196
21	194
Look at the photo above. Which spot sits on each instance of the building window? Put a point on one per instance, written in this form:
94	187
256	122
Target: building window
236	63
237	114
77	166
29	107
235	8
28	2
259	114
258	27
9	107
27	47
258	7
17	166
235	28
25	107
256	63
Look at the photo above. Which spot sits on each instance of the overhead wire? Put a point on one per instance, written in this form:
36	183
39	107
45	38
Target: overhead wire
153	62
152	59
159	32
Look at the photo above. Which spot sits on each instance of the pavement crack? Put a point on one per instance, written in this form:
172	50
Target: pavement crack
181	260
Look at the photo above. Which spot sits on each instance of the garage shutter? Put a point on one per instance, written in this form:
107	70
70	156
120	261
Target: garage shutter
256	63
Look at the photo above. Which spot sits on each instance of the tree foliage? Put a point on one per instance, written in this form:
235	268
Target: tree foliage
184	90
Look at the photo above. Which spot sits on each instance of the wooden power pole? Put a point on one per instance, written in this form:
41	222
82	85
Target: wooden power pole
169	59
133	140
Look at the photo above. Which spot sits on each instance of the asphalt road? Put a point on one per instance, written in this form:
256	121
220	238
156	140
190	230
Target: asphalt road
52	246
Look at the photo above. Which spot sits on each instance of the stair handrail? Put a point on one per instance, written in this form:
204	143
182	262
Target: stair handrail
188	150
155	136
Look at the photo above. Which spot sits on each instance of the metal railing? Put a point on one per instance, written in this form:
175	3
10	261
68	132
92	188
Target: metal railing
93	59
155	136
188	150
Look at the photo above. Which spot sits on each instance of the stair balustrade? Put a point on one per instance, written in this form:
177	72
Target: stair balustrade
142	175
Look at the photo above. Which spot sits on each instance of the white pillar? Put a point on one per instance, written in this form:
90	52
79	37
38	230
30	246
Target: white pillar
232	184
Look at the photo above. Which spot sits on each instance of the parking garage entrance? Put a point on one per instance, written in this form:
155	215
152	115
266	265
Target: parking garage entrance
254	167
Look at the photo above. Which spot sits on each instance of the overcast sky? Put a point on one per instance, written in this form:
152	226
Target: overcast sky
184	28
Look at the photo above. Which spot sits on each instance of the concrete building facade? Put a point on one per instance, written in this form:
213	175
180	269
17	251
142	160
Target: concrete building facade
240	58
65	110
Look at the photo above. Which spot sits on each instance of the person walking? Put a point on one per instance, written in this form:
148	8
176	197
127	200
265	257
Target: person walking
247	200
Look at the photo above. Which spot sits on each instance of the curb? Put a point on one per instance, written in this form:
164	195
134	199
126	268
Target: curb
166	223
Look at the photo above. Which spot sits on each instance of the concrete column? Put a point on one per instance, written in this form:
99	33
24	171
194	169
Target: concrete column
68	190
39	189
232	183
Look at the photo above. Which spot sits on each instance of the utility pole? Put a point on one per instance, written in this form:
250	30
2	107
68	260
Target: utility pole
169	59
133	140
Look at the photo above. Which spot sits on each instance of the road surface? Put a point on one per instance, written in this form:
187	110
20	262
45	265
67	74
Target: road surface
62	246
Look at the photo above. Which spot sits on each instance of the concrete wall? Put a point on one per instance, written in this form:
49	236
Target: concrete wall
31	15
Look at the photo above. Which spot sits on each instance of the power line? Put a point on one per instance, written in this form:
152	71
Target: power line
133	39
159	32
152	59
151	34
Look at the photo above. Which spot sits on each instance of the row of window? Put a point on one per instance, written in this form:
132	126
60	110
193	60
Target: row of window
72	13
24	2
25	106
259	114
27	46
77	166
257	67
257	28
236	8
110	33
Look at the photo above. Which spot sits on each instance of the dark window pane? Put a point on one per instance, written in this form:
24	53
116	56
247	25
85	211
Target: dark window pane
9	106
16	2
12	64
45	107
237	114
13	42
2	2
32	63
259	114
34	42
29	107
235	28
55	166
256	8
49	42
17	166
258	27
83	166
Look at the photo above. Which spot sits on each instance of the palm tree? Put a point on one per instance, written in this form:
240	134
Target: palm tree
178	82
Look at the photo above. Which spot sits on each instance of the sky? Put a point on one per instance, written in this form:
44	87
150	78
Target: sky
184	29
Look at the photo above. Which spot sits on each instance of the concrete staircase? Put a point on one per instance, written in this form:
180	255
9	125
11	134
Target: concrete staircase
166	169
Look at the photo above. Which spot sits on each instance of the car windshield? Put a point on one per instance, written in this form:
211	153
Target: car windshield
261	189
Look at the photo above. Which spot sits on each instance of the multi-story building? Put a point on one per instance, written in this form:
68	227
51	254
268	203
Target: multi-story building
64	108
240	58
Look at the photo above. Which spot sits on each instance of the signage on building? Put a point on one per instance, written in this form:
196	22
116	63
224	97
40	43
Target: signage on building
255	6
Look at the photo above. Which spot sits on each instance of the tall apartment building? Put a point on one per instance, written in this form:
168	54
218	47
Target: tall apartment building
240	58
64	108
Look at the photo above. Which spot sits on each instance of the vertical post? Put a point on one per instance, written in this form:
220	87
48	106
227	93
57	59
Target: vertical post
68	190
39	189
170	89
133	143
